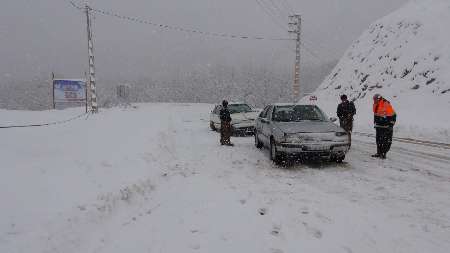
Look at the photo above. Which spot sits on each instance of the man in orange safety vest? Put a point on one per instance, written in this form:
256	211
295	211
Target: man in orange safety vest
384	121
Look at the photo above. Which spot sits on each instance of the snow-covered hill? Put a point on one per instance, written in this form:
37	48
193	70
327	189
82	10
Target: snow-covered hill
404	56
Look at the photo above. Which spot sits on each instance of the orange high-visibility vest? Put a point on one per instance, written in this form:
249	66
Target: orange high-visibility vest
383	108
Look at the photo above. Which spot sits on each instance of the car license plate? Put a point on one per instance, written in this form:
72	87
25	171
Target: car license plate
318	148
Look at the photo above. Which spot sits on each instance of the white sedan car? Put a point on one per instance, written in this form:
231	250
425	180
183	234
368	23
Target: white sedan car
242	118
300	130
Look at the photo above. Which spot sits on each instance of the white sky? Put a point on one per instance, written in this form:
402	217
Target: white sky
38	37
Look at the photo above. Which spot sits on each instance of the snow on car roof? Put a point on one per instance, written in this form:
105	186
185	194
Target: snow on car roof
235	103
287	104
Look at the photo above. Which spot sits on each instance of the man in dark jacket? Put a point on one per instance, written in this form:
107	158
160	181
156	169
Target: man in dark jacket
345	112
225	125
384	121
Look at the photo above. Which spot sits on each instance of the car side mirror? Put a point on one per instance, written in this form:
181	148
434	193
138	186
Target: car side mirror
333	119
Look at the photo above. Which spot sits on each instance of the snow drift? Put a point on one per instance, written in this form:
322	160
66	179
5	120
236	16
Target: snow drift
404	56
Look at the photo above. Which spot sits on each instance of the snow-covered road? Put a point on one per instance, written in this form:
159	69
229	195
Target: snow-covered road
155	179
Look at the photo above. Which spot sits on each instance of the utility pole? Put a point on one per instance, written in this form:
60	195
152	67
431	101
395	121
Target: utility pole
295	22
92	81
53	90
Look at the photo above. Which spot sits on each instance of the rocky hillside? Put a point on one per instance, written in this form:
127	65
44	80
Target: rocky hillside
404	56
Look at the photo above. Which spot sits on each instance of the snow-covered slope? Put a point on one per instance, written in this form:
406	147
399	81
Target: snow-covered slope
404	56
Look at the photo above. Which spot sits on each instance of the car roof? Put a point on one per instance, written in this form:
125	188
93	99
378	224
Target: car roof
235	103
289	104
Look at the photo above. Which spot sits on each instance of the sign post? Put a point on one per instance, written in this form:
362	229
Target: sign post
53	90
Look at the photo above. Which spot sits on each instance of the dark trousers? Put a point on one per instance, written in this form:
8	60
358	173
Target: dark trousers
225	133
347	125
384	139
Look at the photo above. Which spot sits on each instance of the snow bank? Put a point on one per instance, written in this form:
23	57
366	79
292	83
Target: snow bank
405	57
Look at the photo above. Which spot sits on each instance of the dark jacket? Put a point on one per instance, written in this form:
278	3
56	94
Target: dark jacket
385	122
346	110
225	115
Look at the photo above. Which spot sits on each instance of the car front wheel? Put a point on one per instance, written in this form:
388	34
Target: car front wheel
275	156
339	159
212	126
258	144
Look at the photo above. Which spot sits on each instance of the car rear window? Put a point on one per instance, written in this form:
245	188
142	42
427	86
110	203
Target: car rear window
238	108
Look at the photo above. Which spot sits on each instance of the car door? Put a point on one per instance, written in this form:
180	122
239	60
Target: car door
215	118
258	123
266	129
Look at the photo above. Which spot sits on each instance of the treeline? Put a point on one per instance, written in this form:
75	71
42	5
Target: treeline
257	86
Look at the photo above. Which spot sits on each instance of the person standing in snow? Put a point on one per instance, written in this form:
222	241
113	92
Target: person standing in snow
225	125
345	112
384	121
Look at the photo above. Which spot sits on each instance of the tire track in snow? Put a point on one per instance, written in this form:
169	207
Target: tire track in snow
428	164
423	154
72	234
368	176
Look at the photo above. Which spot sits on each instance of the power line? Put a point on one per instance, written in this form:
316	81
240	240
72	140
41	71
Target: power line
310	51
75	5
289	9
176	28
288	6
270	12
283	12
46	124
323	49
274	9
263	5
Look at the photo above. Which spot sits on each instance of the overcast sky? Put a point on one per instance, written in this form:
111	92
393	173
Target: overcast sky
40	36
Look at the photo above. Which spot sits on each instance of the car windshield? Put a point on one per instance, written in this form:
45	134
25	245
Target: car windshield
238	108
296	113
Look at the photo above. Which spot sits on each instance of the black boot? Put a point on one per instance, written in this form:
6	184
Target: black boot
376	155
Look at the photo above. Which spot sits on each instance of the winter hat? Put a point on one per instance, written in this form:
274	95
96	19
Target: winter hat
377	96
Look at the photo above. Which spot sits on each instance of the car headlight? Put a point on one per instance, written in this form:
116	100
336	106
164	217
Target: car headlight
341	133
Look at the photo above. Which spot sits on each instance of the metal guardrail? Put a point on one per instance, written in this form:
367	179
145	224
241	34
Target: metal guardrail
412	141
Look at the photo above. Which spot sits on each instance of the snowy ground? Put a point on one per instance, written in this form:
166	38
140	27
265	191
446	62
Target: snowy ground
154	179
